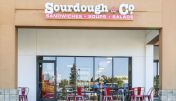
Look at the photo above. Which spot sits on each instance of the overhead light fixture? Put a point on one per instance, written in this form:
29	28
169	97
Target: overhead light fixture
69	66
101	68
108	62
109	58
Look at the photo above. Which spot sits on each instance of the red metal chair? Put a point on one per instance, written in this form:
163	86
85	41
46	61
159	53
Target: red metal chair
107	94
149	94
23	92
79	94
70	96
137	94
131	94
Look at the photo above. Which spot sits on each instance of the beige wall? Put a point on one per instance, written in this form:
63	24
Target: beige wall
155	14
147	14
168	44
8	46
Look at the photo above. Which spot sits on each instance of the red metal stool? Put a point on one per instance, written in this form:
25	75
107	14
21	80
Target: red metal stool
107	94
139	93
79	94
23	92
70	96
79	97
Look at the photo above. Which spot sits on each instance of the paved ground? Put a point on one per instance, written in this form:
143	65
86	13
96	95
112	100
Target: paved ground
156	99
113	100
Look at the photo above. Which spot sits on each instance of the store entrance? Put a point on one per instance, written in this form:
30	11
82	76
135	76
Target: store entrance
46	80
90	58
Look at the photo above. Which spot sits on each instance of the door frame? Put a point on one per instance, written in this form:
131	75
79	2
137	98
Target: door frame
37	82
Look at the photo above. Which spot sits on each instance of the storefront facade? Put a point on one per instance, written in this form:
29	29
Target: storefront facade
158	14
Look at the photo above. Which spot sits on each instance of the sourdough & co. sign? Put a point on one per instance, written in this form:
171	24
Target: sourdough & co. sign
99	11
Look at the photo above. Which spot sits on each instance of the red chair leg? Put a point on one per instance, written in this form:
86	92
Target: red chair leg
22	98
26	98
83	98
131	98
75	99
149	98
66	98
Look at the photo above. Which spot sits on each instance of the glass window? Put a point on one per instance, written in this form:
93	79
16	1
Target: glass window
156	82
121	71
93	74
84	67
103	70
64	84
47	82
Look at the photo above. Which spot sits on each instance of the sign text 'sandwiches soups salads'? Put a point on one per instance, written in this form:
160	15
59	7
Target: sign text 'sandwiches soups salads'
99	11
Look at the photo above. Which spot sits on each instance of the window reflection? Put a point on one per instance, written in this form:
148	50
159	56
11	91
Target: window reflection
93	74
47	80
103	70
64	66
85	71
121	72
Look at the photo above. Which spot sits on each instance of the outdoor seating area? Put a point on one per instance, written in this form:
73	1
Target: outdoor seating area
21	94
100	94
86	79
139	94
108	94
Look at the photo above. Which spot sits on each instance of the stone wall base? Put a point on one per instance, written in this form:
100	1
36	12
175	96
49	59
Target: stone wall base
167	95
8	95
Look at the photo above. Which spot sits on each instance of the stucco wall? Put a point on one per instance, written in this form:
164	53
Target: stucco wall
147	14
8	54
158	13
15	13
167	45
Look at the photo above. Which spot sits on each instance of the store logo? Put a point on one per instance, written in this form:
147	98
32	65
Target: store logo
125	9
99	11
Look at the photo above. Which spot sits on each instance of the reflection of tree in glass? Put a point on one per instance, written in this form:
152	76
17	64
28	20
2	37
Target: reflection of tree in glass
63	83
117	80
73	76
104	78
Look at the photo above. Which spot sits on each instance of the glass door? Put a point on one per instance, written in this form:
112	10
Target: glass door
46	80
